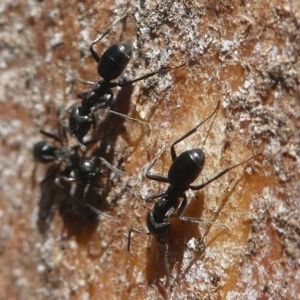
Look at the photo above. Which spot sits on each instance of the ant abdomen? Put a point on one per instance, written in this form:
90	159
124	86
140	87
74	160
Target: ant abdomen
186	168
44	152
114	60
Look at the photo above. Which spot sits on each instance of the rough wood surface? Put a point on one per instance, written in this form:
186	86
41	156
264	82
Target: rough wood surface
244	54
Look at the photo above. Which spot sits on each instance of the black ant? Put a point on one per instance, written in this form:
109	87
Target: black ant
184	170
77	168
111	64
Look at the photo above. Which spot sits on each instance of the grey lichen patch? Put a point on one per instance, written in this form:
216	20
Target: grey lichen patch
246	55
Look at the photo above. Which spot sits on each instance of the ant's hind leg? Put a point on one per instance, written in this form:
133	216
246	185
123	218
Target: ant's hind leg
100	213
173	153
87	82
154	161
223	172
51	135
198	220
191	219
93	52
130	234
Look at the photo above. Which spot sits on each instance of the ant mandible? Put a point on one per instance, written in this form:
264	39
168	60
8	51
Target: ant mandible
183	171
111	64
77	168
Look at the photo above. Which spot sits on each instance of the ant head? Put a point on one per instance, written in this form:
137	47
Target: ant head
114	60
44	152
161	230
87	165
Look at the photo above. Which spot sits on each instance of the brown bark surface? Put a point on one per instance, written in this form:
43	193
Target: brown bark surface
244	54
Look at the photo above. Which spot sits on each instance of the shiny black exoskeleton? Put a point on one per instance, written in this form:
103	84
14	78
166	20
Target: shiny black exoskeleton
77	168
110	66
184	170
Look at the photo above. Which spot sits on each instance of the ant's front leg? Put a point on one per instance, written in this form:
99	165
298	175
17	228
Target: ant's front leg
130	234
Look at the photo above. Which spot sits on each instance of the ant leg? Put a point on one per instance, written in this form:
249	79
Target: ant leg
81	146
129	236
163	70
153	197
94	123
86	190
62	116
100	213
108	102
50	175
191	219
128	118
209	129
173	153
92	141
202	185
154	161
67	179
51	135
182	205
62	132
87	82
198	220
105	162
93	52
70	179
166	261
104	102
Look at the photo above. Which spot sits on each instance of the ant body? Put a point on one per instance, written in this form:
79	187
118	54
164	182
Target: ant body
184	170
110	66
76	168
